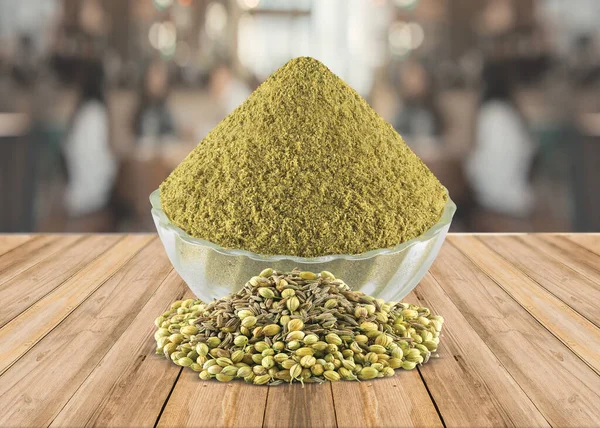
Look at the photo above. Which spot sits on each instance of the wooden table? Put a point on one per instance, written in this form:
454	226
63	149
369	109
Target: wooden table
520	346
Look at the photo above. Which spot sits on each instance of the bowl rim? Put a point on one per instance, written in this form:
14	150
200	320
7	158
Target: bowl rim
163	220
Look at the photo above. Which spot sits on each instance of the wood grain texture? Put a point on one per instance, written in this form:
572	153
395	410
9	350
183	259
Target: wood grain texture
105	397
24	331
574	330
591	241
27	288
32	252
396	401
40	383
10	242
311	406
572	288
566	251
77	346
563	388
292	405
212	404
467	368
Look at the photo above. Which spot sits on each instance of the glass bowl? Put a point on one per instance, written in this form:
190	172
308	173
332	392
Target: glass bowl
212	271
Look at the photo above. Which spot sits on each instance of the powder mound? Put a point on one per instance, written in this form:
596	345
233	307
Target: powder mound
303	167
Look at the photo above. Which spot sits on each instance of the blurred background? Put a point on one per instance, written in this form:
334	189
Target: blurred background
101	99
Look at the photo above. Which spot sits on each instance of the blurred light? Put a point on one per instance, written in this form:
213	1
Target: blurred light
167	35
168	51
163	36
400	51
406	4
399	37
163	4
184	2
183	54
153	35
216	20
417	35
404	37
246	40
248	4
355	37
182	17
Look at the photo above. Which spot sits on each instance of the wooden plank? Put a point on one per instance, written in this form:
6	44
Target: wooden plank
27	288
129	369
562	387
591	241
32	252
574	330
293	405
39	384
196	403
569	253
10	242
24	331
568	285
467	368
401	400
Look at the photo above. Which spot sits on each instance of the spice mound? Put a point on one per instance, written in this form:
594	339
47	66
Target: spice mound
297	327
304	167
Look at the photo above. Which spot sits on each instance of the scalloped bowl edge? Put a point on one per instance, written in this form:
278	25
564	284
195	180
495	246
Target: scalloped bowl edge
442	225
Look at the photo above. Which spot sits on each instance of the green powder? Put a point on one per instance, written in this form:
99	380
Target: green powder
303	167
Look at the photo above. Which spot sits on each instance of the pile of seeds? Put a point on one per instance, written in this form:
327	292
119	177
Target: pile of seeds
297	326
